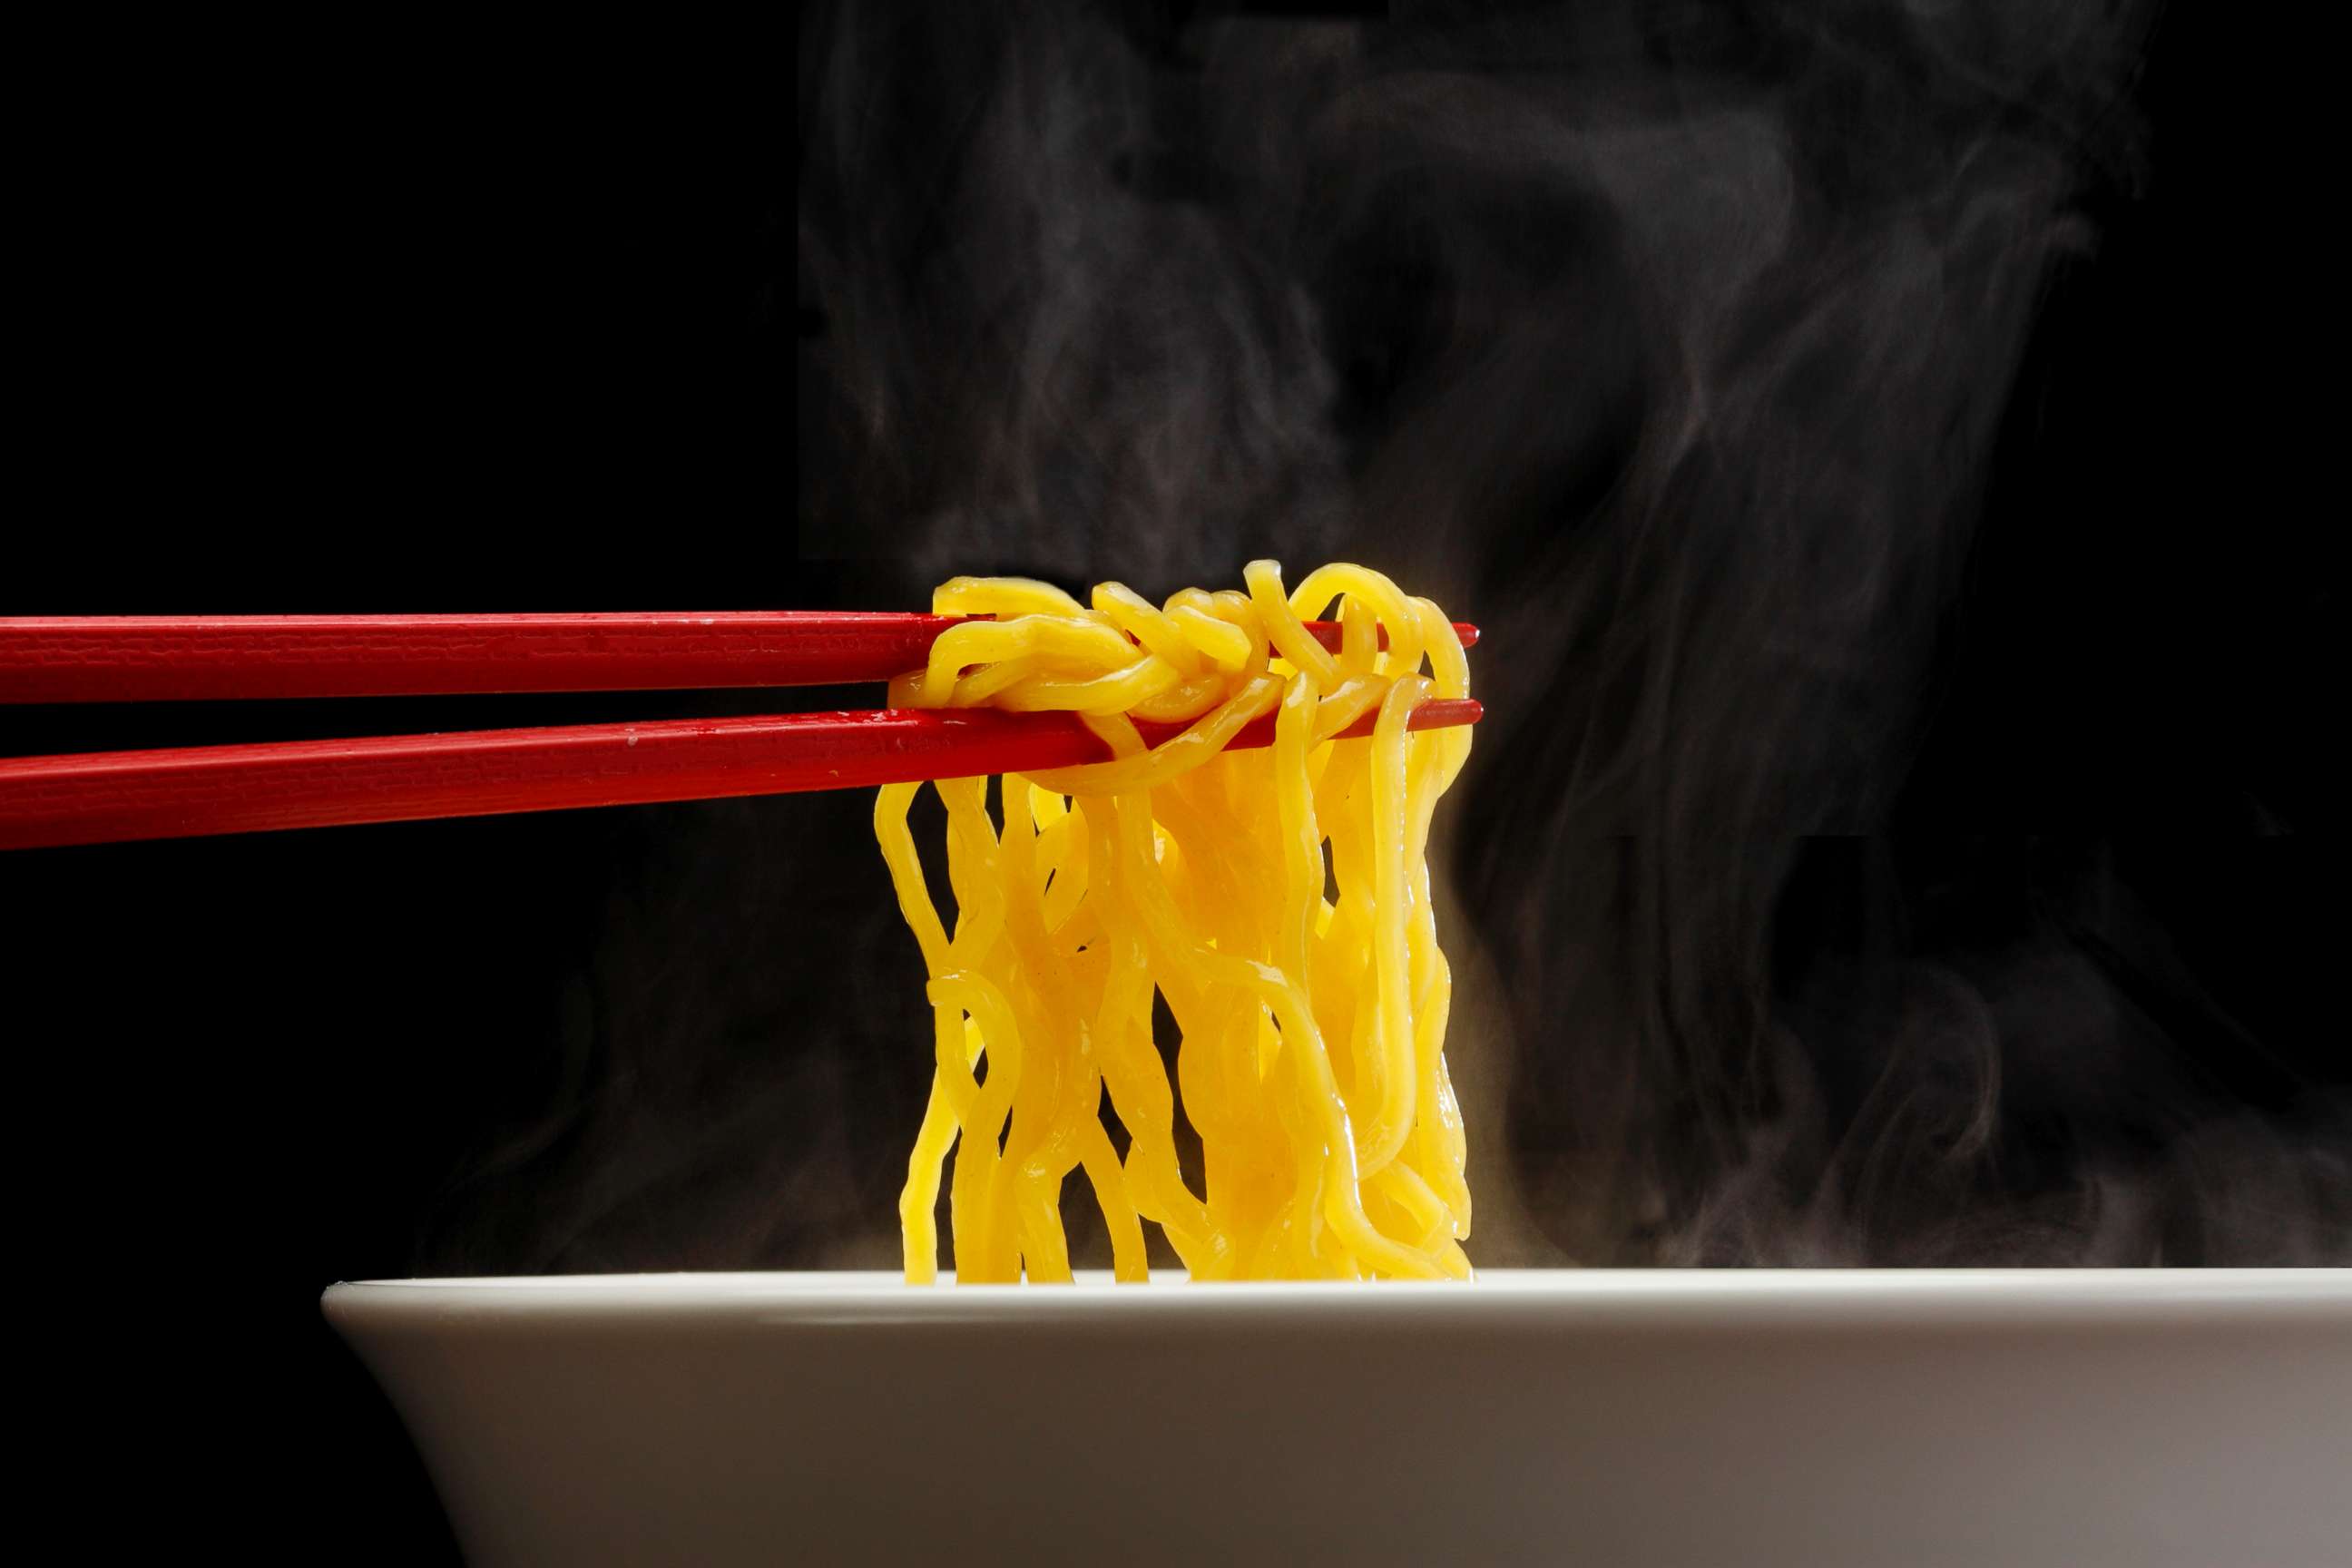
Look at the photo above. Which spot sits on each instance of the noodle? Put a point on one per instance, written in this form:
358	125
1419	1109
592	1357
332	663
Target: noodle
1312	1029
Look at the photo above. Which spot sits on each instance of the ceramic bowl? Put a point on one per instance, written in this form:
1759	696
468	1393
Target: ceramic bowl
1756	1417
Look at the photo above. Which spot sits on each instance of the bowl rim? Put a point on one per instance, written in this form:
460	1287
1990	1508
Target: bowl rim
1500	1298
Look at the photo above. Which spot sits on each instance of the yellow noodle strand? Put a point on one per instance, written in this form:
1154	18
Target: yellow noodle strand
1310	1031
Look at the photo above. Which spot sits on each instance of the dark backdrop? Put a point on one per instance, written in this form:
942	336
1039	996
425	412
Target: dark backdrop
2040	967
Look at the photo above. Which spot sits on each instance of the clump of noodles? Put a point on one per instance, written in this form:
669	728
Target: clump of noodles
1312	1057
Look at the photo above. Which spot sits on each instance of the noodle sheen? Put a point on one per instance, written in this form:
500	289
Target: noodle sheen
1312	1030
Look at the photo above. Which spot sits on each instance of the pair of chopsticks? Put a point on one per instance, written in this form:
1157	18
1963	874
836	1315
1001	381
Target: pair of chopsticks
106	796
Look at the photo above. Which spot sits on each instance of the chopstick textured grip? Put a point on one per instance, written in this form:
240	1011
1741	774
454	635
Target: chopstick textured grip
105	797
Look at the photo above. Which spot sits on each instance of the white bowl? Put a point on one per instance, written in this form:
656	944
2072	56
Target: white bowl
2143	1417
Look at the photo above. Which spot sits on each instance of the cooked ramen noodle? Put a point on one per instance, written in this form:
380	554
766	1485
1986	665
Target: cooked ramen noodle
1311	1029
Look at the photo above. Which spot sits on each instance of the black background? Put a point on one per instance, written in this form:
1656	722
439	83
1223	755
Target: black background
451	323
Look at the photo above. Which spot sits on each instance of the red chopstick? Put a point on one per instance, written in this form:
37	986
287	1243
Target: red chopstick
157	658
104	797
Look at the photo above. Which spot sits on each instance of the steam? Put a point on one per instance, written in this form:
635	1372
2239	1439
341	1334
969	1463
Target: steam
1669	343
